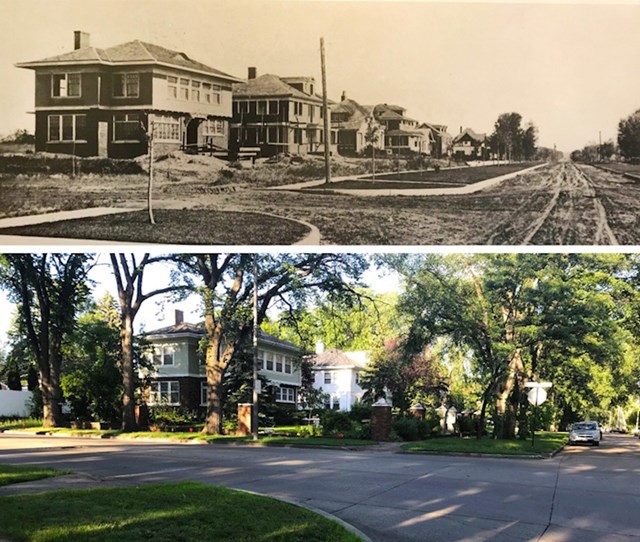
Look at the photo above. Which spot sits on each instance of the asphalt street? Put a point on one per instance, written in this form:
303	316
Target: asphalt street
582	494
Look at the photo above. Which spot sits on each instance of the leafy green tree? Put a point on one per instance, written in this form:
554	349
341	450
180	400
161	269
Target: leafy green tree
285	281
506	140
14	381
48	289
529	138
629	136
91	379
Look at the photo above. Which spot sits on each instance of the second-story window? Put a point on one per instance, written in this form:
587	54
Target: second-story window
279	363
172	87
262	107
126	85
273	107
163	355
66	85
328	377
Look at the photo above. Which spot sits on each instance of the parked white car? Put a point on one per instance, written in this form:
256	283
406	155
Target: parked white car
585	432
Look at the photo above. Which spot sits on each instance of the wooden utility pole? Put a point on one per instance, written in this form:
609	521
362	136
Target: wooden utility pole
256	382
325	108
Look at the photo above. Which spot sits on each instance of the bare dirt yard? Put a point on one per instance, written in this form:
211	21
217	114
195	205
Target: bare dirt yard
558	204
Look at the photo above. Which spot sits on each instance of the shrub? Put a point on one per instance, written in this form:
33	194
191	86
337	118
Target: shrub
359	411
409	428
335	421
166	417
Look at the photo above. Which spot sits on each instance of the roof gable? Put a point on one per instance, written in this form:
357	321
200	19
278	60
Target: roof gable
334	358
269	85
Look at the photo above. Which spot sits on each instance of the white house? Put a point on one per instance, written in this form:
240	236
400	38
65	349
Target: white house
337	373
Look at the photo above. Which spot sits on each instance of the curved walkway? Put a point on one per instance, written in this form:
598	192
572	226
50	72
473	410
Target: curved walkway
376	192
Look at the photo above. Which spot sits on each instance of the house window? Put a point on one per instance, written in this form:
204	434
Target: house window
297	108
328	377
262	107
285	395
67	128
204	390
216	93
272	134
166	128
288	365
244	107
126	127
279	364
213	128
65	85
335	402
163	355
165	393
311	108
273	107
297	136
260	359
172	88
126	85
269	360
184	89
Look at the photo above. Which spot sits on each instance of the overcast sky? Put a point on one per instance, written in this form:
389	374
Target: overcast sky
572	68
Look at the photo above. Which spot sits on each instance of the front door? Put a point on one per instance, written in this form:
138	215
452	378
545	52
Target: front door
192	133
103	139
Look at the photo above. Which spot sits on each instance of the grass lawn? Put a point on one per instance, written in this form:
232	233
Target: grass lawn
14	474
447	178
175	226
544	443
317	441
623	167
182	511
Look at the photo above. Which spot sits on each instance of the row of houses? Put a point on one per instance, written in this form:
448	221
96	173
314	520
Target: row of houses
178	375
111	102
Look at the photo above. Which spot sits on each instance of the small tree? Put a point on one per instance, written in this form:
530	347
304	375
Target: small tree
372	136
629	136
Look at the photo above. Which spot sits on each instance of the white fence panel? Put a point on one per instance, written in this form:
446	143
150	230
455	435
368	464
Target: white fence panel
14	403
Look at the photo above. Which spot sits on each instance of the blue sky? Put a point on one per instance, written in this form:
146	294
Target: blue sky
570	67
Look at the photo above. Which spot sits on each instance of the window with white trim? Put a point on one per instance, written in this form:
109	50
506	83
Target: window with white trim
335	402
269	360
184	89
163	354
329	377
126	85
64	128
216	94
66	85
165	393
279	363
213	128
172	87
260	359
297	108
288	365
195	91
285	395
166	128
261	107
273	107
126	127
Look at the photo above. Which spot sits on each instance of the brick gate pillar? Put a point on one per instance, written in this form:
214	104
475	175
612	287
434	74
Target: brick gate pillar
244	419
417	411
380	420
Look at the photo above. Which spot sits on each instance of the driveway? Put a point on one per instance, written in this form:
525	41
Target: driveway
584	493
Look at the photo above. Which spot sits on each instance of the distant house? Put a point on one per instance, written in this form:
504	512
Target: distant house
402	134
469	145
278	115
338	373
441	139
351	121
104	102
178	377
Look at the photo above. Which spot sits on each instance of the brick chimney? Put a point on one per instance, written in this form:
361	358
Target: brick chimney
253	73
179	317
319	347
344	96
81	39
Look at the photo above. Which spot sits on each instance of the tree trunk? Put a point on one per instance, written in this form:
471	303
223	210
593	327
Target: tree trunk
128	382
505	408
213	421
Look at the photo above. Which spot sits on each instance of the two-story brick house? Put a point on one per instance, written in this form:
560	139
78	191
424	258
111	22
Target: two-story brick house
106	102
178	377
278	115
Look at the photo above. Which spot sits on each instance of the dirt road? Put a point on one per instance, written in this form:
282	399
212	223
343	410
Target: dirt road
565	210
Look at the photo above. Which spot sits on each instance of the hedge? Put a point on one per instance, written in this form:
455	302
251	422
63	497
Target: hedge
32	164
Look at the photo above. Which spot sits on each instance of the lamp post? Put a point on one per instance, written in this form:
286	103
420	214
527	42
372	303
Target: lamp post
536	396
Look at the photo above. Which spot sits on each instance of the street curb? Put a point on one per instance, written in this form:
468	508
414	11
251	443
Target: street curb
477	454
327	515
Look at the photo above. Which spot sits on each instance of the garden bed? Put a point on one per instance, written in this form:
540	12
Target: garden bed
173	226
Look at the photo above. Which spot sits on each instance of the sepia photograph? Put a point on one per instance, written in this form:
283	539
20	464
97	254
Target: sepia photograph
320	123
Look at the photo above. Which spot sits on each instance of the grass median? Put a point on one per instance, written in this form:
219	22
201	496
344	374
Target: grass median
181	511
14	474
545	443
